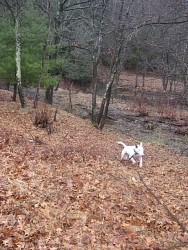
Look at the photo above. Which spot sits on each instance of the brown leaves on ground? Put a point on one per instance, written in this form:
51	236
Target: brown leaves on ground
70	191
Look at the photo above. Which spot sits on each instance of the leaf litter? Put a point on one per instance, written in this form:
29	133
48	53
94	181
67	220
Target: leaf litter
70	191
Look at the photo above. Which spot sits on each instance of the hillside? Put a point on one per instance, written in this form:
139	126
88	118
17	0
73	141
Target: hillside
69	190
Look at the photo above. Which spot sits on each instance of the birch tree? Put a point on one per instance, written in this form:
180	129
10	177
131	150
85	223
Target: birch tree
15	8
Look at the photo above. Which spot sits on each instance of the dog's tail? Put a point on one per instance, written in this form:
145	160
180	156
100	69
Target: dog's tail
122	144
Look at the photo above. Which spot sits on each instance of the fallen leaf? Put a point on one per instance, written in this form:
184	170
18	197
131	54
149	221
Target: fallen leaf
149	241
8	242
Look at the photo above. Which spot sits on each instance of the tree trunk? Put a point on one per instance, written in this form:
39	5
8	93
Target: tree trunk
43	57
7	85
18	62
49	94
165	82
14	93
143	80
136	78
108	96
94	93
70	98
171	83
185	85
113	69
96	57
105	102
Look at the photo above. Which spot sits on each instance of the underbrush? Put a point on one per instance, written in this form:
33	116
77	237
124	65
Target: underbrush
164	105
44	118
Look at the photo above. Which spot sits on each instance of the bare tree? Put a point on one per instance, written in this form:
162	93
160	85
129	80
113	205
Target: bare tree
163	41
123	31
96	54
47	11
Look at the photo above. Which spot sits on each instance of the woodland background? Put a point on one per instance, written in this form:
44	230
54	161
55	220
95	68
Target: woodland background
62	185
45	41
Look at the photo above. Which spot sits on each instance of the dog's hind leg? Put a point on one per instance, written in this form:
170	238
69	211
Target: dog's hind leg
123	153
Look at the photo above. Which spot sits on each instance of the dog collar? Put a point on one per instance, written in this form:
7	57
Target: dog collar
135	153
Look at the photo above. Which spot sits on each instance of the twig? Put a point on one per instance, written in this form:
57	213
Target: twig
66	134
177	245
34	138
167	209
117	178
55	116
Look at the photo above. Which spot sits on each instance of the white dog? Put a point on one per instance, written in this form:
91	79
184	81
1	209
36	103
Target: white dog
132	151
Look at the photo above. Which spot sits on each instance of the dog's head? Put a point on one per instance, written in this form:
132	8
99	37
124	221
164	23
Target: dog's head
139	149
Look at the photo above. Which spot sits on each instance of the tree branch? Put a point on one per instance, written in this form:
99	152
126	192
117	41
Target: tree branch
167	209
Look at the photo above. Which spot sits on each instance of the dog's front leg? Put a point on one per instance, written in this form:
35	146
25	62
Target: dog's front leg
133	161
140	162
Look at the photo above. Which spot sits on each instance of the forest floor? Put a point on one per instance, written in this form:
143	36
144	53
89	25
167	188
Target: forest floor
69	189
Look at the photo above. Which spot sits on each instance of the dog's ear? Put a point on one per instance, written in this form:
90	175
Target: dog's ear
141	144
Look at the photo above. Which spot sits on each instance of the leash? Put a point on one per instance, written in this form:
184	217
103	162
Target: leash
135	153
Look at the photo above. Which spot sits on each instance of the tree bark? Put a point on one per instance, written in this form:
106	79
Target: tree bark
94	93
49	94
18	61
136	77
165	82
43	57
96	57
143	80
70	99
113	69
105	102
14	93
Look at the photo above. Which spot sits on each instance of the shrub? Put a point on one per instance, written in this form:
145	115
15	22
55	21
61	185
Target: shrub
43	119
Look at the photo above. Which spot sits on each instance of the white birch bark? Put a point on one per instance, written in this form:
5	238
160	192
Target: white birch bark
18	61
